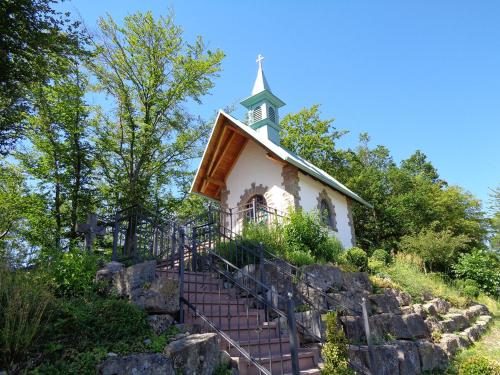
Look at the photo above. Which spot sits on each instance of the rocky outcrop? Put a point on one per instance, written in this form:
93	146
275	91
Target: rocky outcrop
196	354
141	286
160	323
144	364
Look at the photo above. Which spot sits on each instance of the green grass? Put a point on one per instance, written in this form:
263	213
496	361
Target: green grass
405	274
408	276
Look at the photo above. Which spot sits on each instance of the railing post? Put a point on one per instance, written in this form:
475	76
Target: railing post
254	211
262	272
231	219
116	228
194	250
368	336
173	244
181	275
292	331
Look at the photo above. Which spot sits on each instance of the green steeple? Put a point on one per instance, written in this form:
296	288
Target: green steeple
263	107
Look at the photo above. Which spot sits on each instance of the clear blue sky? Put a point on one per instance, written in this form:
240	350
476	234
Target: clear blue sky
414	75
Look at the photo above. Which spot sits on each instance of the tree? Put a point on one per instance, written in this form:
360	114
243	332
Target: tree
407	198
59	156
495	220
145	144
32	36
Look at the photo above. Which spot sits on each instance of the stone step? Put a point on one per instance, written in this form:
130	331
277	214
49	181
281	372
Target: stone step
278	345
224	322
264	331
277	364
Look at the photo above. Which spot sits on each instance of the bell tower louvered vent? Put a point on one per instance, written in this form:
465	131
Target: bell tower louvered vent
263	107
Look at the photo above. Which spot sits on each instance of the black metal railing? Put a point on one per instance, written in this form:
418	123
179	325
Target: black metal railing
139	234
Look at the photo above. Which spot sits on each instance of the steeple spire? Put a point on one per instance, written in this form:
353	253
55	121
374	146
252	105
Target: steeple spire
263	107
261	81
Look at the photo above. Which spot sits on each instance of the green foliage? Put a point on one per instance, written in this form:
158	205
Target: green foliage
406	271
335	350
330	251
150	72
357	257
468	287
69	274
271	236
438	249
23	304
478	365
80	332
481	267
223	369
379	259
304	232
406	197
34	39
300	258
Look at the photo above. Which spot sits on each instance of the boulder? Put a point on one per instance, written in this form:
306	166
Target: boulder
416	326
406	327
433	324
144	364
385	357
441	306
409	360
452	343
136	276
484	318
407	310
160	323
310	326
403	298
161	297
476	310
356	281
384	303
432	356
475	332
353	329
196	354
325	277
454	323
106	274
418	308
429	309
348	301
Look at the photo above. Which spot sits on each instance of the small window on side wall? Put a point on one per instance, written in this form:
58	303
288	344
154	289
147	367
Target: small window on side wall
325	213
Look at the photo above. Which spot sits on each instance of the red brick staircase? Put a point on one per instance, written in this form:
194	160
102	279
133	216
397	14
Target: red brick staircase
234	315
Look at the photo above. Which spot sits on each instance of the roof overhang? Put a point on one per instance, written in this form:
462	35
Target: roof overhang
263	95
228	139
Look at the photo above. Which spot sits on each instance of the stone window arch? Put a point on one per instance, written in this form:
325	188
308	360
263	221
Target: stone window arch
327	211
261	195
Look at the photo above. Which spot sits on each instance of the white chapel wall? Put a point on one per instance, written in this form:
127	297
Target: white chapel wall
254	167
309	192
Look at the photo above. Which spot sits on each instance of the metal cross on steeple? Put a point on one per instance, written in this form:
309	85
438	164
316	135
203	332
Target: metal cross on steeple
259	60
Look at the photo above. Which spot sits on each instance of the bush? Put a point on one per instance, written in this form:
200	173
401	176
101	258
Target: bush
70	274
300	258
481	267
271	236
304	232
438	250
468	287
23	304
379	259
335	350
357	257
331	250
478	365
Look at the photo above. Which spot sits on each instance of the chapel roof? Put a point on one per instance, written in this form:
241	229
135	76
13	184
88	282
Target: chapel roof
220	155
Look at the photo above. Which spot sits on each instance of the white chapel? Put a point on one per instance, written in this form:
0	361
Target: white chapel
245	168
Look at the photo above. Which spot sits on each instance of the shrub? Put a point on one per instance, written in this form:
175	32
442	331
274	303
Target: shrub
330	251
438	250
478	365
357	257
379	259
481	267
300	258
335	350
23	303
304	232
70	274
468	287
271	236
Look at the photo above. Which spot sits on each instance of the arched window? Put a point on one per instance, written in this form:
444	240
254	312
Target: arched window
272	114
256	208
325	212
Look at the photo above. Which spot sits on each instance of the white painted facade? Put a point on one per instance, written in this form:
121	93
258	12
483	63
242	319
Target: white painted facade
255	168
310	190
